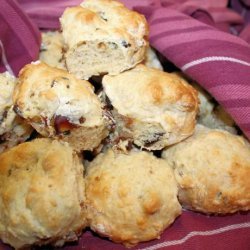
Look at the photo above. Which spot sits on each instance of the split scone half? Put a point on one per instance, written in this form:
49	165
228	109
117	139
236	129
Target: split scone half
212	168
103	36
131	197
41	194
150	107
13	129
58	105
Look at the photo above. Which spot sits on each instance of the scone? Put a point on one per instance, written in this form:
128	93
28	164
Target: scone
103	36
41	194
212	169
130	198
206	103
58	105
13	129
152	108
52	47
218	119
151	59
211	114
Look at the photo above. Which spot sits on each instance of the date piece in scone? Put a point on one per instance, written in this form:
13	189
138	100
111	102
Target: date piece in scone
13	129
212	168
152	108
41	194
130	198
52	49
103	36
58	105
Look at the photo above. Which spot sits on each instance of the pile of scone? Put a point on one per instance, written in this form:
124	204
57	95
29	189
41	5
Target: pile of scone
114	142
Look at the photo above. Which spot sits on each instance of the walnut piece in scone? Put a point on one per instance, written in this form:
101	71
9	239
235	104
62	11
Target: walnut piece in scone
13	129
42	194
152	108
212	168
58	105
130	198
52	47
103	36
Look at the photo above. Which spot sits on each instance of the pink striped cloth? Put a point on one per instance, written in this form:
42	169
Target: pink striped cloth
243	8
19	37
191	231
195	36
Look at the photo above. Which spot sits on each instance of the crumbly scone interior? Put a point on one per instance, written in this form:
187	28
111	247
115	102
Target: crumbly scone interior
101	53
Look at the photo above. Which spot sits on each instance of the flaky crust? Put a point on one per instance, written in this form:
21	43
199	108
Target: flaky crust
41	194
112	27
130	198
155	107
58	105
52	49
13	129
212	169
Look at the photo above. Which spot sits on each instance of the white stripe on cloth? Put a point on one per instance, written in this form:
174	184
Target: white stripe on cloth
212	59
4	60
198	233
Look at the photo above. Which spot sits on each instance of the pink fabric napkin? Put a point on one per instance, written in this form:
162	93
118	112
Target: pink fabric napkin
195	36
191	231
19	37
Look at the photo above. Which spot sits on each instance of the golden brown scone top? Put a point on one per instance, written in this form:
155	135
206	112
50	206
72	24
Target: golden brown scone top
212	168
44	93
41	194
142	91
154	97
130	198
100	19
